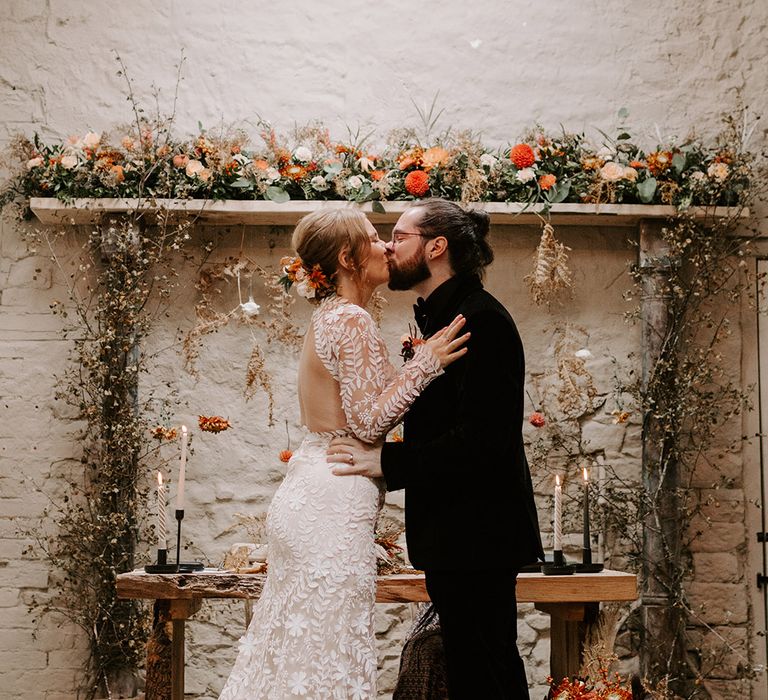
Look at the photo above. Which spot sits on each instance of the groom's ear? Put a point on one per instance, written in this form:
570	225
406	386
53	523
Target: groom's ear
344	260
438	246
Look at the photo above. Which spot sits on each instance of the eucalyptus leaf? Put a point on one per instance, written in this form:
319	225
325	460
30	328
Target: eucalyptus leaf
646	189
242	183
623	113
559	192
678	162
378	207
278	195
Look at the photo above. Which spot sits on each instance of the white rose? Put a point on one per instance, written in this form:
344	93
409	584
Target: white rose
305	289
630	174
272	174
605	153
91	139
303	154
526	175
68	162
488	160
34	162
318	183
355	182
612	172
194	167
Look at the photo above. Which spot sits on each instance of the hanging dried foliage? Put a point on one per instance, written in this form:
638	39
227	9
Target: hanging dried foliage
551	274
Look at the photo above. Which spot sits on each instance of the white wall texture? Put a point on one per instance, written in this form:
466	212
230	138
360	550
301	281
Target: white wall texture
499	67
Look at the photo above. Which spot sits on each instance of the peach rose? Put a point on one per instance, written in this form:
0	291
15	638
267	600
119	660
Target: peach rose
34	162
162	151
205	174
180	160
117	171
194	167
91	139
68	162
612	171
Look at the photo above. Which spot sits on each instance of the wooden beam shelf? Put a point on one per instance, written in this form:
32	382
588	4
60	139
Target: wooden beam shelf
51	211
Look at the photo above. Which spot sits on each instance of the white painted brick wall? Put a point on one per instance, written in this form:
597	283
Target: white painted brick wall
675	65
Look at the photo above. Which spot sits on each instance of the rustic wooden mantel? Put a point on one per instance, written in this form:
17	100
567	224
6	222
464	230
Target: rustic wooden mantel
571	601
52	211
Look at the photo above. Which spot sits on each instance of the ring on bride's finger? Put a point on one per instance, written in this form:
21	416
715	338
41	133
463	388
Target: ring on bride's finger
351	459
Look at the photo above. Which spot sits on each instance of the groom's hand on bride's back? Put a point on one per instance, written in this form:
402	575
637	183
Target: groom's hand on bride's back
354	457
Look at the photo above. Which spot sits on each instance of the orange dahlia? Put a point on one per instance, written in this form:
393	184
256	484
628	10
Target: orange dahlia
417	183
522	156
547	181
295	172
434	157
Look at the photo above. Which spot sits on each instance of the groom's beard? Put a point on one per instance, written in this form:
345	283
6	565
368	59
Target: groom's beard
408	273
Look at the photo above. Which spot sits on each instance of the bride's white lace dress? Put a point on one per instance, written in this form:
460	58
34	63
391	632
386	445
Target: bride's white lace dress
312	633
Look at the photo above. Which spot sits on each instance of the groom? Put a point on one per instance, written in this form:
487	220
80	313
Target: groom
470	516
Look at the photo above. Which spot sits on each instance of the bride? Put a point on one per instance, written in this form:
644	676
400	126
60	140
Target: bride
312	632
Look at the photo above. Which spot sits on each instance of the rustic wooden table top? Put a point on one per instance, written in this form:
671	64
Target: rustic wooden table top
606	586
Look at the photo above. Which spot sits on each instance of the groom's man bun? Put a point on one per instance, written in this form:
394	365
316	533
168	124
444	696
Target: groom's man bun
466	232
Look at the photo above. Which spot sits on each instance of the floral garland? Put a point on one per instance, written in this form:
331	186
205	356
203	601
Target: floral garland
540	168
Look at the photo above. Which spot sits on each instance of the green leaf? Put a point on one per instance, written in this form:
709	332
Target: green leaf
242	183
646	189
559	192
678	162
623	113
377	207
278	194
623	136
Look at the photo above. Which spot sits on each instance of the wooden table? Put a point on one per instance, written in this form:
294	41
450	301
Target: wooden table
571	601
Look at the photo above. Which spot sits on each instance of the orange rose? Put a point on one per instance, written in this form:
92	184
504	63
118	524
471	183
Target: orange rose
522	156
117	171
260	164
180	160
547	181
417	183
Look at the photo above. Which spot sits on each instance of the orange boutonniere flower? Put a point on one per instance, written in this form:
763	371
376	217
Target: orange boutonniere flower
537	419
213	424
410	341
285	456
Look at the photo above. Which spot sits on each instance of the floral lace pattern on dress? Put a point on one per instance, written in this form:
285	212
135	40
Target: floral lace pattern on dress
312	633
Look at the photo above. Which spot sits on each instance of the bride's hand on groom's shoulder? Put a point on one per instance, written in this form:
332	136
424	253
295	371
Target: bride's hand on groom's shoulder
354	457
445	344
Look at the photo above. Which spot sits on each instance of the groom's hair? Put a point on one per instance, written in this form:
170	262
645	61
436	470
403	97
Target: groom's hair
465	230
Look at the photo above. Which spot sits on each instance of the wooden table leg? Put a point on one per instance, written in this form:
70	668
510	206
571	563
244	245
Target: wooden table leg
569	623
180	611
158	683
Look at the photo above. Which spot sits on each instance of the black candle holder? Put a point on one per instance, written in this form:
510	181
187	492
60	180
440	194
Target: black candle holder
586	566
163	567
558	567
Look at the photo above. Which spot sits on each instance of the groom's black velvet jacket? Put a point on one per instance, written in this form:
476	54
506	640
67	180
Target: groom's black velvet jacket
468	493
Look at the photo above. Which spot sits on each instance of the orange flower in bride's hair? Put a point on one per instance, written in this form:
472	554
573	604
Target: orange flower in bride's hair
522	156
285	456
547	182
417	183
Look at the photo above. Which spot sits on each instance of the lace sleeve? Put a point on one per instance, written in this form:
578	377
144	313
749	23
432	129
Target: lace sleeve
373	395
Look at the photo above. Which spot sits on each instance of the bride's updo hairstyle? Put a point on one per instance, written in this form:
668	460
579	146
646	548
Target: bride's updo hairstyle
320	236
465	230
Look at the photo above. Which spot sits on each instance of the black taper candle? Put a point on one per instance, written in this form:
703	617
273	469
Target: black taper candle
586	552
179	518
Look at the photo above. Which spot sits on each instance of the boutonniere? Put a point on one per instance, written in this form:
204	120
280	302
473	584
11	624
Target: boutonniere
410	341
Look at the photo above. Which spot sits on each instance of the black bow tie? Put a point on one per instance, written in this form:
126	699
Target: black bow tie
420	314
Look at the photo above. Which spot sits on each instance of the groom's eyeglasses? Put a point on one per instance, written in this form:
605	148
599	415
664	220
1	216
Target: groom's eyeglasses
400	237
